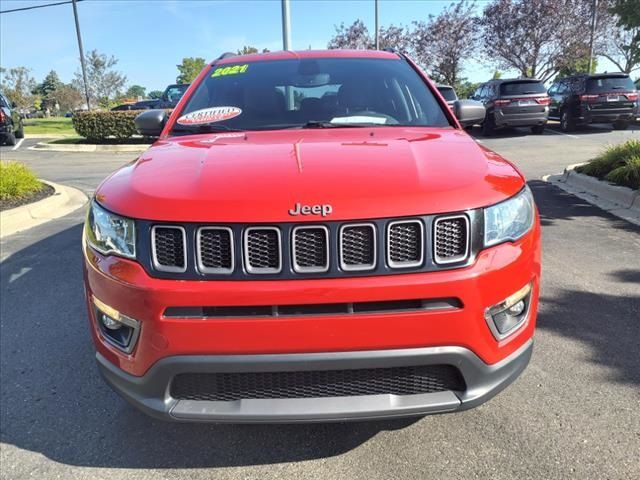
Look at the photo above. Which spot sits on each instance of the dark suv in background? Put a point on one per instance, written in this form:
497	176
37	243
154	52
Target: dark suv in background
11	126
602	98
519	102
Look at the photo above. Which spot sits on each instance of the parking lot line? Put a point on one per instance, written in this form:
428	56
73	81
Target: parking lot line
562	133
17	146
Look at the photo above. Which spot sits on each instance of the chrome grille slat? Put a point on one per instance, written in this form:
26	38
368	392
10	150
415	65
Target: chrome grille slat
451	239
214	249
310	248
358	246
169	248
405	243
263	250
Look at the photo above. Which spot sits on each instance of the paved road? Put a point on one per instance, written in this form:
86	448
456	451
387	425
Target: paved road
574	413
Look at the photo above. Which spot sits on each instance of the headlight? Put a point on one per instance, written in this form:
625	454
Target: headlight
109	233
509	220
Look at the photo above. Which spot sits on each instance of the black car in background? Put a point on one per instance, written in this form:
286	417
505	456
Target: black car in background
141	105
516	102
172	95
601	98
11	126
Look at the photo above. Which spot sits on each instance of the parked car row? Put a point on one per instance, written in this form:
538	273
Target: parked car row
574	101
11	126
170	98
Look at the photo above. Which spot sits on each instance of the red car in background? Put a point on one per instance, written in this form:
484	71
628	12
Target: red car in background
313	237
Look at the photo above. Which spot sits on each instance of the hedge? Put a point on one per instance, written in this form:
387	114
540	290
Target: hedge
99	126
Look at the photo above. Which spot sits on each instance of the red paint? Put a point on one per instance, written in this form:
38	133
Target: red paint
363	173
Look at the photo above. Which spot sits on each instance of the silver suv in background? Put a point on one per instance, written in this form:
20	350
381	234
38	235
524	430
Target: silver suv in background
521	102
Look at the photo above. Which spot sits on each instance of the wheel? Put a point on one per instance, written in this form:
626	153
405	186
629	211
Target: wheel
10	139
621	125
488	126
567	124
538	129
20	131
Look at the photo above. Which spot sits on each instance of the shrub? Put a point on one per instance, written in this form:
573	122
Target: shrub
618	164
98	126
17	181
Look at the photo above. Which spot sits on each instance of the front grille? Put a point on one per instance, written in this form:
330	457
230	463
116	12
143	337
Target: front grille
169	249
310	247
410	380
358	247
451	239
262	250
405	243
215	250
329	249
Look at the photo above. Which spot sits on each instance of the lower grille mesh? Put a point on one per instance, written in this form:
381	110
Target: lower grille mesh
318	383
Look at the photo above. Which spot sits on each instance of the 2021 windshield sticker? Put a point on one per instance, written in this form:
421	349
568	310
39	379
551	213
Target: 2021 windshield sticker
230	70
209	115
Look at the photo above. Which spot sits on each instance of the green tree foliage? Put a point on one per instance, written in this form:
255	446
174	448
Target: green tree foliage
69	98
189	69
465	89
18	85
105	83
155	94
578	65
135	91
47	90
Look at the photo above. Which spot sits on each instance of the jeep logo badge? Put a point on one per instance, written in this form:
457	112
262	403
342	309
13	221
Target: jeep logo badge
323	210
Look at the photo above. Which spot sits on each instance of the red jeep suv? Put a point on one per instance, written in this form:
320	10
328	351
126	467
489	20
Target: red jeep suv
313	237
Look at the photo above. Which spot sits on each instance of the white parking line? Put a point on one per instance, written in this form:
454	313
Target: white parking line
561	133
18	144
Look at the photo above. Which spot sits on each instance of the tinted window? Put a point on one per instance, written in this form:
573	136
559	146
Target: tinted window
521	88
609	84
448	93
175	92
290	93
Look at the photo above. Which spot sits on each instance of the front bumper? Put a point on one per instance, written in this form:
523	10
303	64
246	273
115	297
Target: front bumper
150	393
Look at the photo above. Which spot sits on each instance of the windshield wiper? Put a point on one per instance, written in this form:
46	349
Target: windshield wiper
321	124
206	128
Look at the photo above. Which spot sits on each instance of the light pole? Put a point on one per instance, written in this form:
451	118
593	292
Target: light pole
84	70
594	19
377	36
286	26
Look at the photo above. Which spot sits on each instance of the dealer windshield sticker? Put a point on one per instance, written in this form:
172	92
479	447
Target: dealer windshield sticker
230	70
209	115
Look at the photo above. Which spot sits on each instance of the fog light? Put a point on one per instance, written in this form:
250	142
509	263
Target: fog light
507	316
117	329
110	323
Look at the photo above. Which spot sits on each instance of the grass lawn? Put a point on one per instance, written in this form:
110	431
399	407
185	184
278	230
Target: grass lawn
619	164
49	126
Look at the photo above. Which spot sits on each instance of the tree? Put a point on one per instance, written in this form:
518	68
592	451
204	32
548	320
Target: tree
247	50
155	94
69	98
105	84
18	85
536	37
394	37
442	43
628	13
578	65
621	43
135	91
47	90
465	89
189	69
355	36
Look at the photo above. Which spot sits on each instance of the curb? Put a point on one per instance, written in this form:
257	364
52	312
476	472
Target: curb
84	148
63	201
619	201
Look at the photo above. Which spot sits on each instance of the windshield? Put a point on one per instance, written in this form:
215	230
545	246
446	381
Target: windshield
522	88
448	94
174	92
305	93
609	84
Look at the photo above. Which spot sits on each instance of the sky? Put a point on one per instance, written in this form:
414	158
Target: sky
150	37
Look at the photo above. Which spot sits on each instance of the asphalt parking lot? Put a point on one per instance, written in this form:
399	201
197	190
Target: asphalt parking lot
574	413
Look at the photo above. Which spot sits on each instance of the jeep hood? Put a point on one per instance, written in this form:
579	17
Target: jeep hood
259	176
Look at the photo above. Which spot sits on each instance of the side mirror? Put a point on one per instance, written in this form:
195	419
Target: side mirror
469	112
151	122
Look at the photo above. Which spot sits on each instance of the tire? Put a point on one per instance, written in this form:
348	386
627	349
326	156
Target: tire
488	126
20	131
620	125
10	139
538	129
567	124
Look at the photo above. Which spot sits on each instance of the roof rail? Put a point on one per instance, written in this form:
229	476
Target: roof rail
226	55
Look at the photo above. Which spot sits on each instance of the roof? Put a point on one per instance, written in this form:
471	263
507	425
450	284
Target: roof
289	54
597	75
504	80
